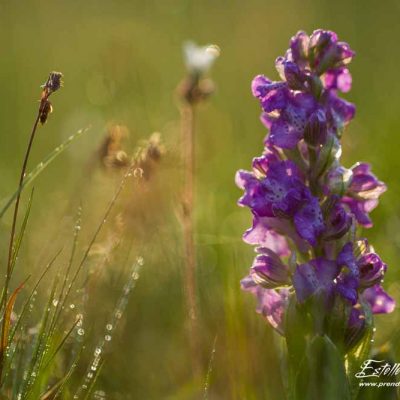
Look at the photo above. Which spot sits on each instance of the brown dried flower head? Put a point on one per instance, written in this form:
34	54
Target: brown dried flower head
53	83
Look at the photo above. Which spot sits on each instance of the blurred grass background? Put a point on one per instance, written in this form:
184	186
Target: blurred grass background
122	61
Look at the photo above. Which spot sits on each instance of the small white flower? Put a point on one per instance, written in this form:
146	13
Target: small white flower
199	59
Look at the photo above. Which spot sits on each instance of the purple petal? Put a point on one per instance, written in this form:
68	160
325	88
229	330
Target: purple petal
326	270
305	281
283	134
338	78
361	168
259	86
299	46
268	270
379	300
275	98
371	269
309	221
347	286
359	211
338	223
272	305
262	235
342	111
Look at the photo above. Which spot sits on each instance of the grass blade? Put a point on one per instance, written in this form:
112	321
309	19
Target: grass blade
41	167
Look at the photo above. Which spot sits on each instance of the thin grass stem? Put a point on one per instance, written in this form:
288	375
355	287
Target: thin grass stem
188	152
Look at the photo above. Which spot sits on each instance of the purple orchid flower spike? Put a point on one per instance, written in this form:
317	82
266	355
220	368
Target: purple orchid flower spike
310	265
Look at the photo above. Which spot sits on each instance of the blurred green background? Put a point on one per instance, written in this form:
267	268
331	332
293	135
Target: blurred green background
122	61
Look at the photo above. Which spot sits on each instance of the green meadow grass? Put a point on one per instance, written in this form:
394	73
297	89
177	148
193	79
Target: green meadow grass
122	62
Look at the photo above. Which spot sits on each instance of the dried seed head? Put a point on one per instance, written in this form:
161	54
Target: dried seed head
53	83
111	152
149	154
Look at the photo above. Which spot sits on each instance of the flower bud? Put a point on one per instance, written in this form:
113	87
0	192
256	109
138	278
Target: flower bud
315	131
338	180
372	269
299	46
293	76
329	154
268	270
338	222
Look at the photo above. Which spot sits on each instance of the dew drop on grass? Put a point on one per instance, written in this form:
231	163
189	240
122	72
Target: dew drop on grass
109	327
81	331
138	173
55	303
72	306
135	276
107	338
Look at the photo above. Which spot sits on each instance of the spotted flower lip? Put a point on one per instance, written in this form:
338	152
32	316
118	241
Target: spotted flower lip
282	193
285	112
315	276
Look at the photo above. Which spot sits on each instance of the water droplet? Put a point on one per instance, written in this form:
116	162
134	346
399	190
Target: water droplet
135	276
55	303
107	338
138	173
109	327
97	351
81	331
72	306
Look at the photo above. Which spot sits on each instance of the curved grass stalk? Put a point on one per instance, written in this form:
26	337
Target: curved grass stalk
23	312
41	167
97	361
